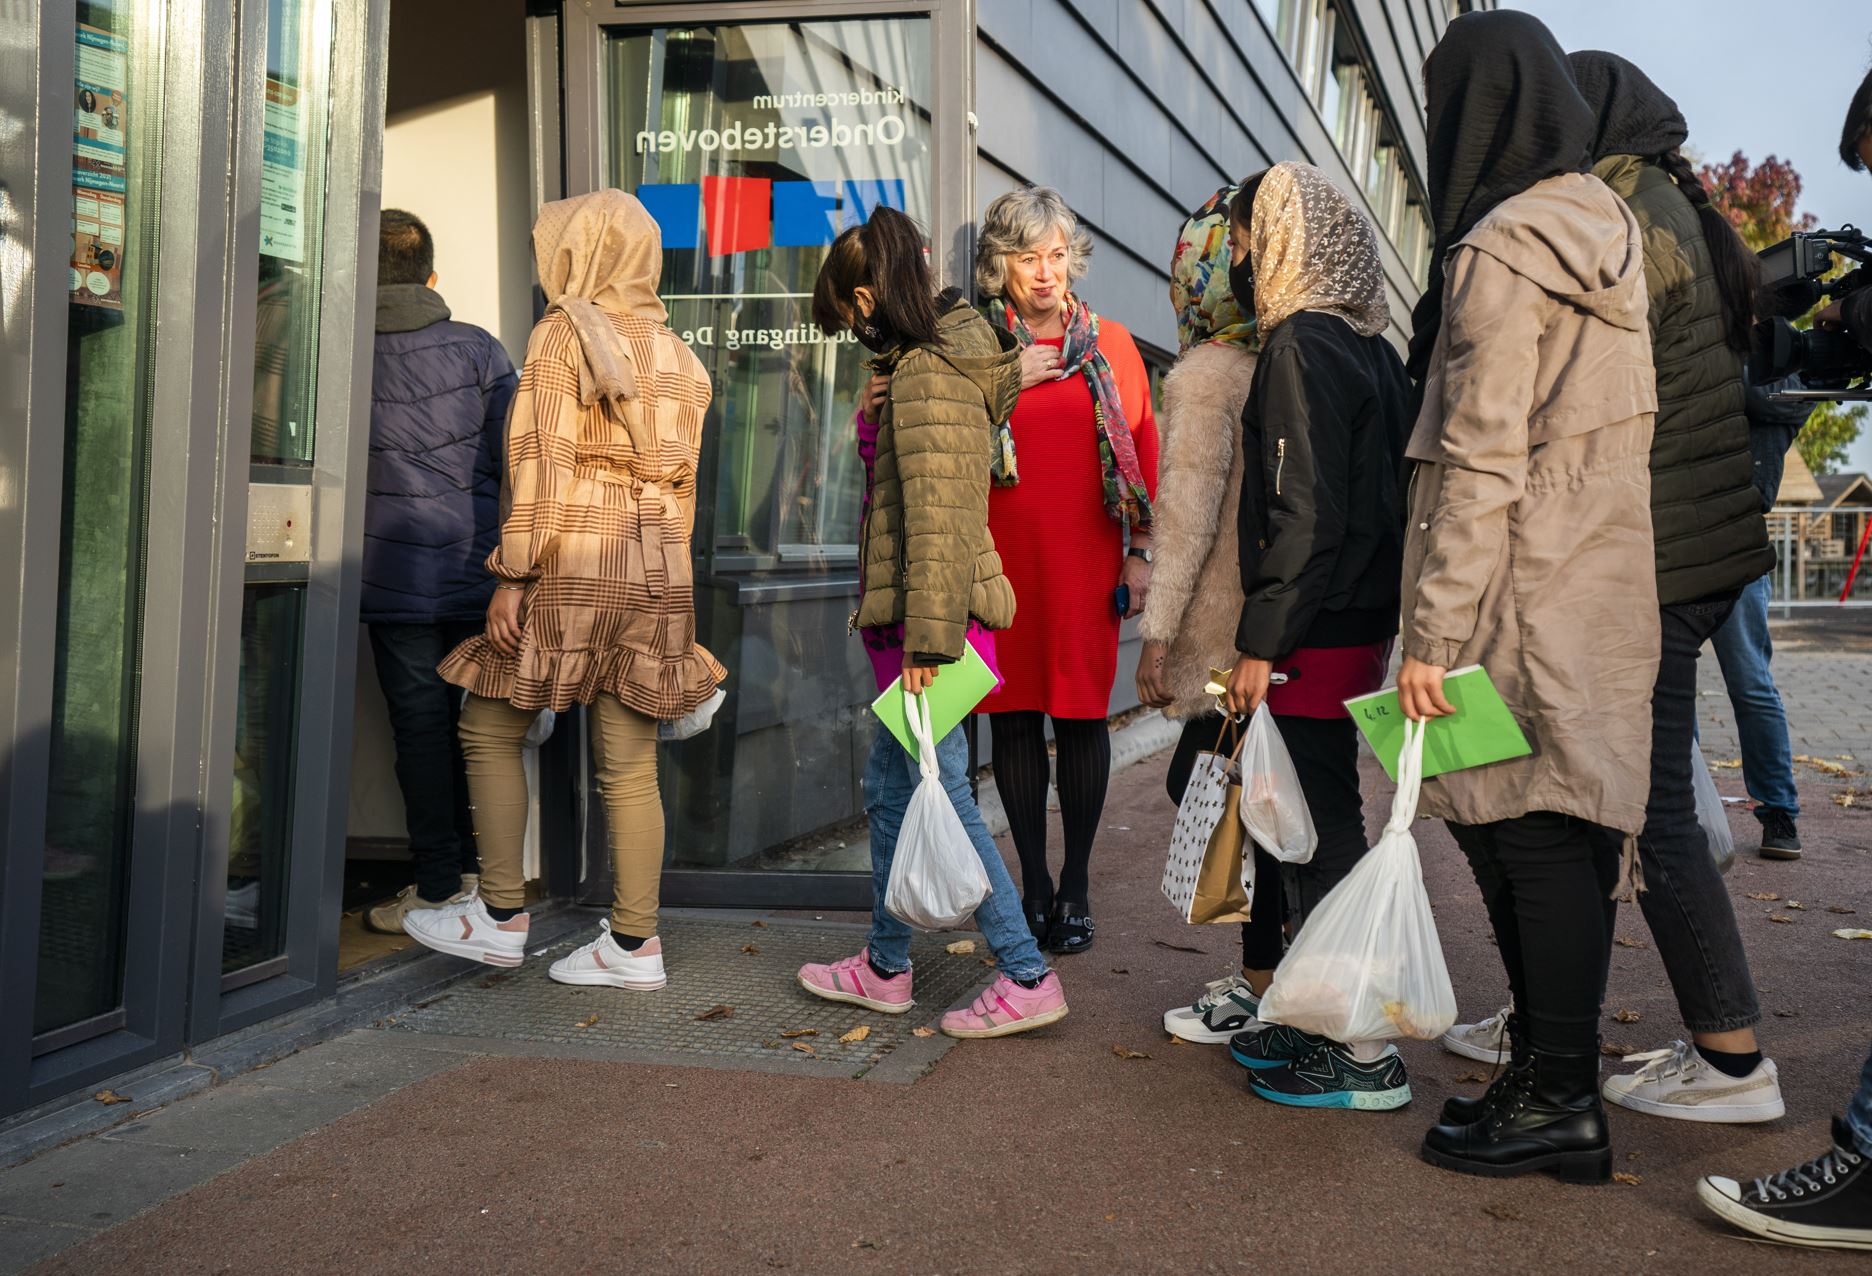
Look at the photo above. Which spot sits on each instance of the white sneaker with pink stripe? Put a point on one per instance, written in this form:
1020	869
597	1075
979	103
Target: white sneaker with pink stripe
604	962
465	929
852	980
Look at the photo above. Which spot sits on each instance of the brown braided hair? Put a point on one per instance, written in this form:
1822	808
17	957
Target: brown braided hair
1738	271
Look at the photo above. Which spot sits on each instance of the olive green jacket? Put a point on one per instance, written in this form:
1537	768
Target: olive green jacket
1706	516
927	558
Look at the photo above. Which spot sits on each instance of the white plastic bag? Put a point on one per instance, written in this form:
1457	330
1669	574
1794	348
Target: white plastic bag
936	878
695	722
1367	964
1273	806
1709	808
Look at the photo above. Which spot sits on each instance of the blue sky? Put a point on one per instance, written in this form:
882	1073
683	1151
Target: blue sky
1762	78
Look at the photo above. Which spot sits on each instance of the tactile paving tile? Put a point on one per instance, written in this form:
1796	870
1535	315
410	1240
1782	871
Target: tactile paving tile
709	965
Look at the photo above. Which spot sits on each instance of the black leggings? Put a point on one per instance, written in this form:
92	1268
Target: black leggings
1547	880
1325	753
1021	767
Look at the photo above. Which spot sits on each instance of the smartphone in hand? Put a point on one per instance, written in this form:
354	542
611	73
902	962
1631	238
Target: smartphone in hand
1121	599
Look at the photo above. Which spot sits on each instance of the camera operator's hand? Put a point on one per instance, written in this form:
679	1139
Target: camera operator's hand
1831	318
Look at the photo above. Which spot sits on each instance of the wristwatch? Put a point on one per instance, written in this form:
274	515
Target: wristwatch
1140	552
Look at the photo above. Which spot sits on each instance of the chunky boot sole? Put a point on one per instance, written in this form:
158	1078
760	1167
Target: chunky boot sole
1568	1167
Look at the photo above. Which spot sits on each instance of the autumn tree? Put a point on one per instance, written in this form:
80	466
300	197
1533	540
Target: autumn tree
1760	201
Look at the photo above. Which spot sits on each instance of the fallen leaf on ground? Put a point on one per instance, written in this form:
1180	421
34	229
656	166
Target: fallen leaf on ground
587	1021
1841	909
1473	1078
1797	906
492	981
1628	1016
986	961
1110	1217
1783	918
110	1096
787	1034
757	924
867	1245
856	1034
803	1048
1629	1180
1502	1210
1617	1051
1786	1014
1124	1052
1824	766
1850	933
717	1012
1763	895
1623	942
922	1032
1177	948
750	949
1125	970
1726	764
961	947
1845	798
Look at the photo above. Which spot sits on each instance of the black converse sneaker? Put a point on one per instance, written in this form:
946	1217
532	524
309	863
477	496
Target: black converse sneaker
1825	1203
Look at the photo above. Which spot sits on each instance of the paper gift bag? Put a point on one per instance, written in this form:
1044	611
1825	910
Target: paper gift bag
1208	876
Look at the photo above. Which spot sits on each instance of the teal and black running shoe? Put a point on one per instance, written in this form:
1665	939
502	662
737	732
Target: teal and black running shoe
1330	1078
1273	1045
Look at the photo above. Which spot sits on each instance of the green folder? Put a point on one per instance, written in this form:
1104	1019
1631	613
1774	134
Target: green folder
1481	730
958	688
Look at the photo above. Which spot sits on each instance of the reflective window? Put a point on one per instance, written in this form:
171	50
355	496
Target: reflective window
91	797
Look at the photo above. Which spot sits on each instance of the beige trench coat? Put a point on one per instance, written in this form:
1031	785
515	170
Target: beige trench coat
1529	549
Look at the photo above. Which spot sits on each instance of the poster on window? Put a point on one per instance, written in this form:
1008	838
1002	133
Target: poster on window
99	188
282	175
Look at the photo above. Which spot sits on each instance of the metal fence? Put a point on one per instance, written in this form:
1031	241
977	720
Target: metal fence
1815	548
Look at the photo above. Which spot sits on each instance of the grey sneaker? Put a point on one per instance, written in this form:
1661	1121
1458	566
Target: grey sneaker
1780	839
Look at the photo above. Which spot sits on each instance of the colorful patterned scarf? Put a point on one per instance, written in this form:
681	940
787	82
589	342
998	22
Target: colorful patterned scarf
1200	295
1126	499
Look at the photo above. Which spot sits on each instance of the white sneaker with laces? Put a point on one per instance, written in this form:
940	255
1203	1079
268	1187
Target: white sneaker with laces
1226	1007
1679	1083
465	929
1485	1042
604	962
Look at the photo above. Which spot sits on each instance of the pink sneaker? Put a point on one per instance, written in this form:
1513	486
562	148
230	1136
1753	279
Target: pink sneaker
1006	1008
853	980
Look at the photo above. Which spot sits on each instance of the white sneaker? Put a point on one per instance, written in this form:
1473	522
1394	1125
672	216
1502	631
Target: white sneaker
1680	1083
604	962
465	929
1485	1042
1226	1007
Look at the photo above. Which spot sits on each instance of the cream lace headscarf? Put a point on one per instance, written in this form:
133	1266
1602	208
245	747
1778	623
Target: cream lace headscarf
1313	251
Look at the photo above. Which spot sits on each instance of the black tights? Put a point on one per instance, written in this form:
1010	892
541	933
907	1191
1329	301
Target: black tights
1547	880
1020	773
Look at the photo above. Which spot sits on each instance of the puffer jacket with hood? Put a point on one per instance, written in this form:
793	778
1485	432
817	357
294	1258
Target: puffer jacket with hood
1320	528
928	559
1530	507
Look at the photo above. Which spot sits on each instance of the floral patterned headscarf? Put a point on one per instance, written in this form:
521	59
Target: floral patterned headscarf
1313	250
1200	295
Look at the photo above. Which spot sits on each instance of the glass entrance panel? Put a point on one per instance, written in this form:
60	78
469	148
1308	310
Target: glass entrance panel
91	797
753	145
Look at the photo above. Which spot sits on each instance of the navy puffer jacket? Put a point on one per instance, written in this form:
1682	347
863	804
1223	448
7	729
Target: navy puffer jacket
439	396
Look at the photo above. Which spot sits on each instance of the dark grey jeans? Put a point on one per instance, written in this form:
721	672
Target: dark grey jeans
1684	901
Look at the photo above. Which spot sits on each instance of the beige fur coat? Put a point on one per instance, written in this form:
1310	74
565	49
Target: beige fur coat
1196	594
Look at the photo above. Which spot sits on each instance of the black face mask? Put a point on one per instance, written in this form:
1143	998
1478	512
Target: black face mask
1242	284
873	335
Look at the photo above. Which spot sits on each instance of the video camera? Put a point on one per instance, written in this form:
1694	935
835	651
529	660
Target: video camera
1793	283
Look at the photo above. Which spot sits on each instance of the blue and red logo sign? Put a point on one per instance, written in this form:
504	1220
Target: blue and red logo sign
740	214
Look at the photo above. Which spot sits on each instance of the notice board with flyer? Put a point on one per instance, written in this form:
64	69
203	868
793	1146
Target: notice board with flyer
99	187
282	174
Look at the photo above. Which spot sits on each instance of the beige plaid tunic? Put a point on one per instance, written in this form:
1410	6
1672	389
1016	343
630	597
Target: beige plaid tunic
598	529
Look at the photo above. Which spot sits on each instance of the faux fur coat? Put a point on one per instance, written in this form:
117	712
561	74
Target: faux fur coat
1196	594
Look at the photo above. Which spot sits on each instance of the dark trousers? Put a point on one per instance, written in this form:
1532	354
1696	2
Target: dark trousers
1325	753
423	714
1547	880
1685	902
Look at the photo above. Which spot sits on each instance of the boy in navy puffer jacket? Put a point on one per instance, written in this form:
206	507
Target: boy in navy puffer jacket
439	396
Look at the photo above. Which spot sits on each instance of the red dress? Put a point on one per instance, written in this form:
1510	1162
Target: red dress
1061	551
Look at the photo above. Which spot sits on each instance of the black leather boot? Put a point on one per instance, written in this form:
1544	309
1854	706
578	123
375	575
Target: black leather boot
1461	1110
1548	1120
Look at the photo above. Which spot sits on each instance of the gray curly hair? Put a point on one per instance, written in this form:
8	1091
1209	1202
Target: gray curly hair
1016	222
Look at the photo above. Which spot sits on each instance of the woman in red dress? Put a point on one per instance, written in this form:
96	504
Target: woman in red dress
1074	473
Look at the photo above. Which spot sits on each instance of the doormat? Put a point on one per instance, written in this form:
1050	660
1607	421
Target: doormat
732	1002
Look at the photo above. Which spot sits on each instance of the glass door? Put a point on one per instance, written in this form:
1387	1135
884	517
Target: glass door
754	142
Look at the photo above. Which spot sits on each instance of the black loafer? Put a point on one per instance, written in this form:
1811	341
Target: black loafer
1070	929
1039	923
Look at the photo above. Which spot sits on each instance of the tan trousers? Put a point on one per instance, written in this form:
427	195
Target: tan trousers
624	746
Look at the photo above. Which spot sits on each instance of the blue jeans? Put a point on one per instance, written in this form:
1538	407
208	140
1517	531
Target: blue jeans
1744	650
1859	1111
890	778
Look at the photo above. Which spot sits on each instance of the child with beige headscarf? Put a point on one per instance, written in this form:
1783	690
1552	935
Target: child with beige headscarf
1320	541
595	604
